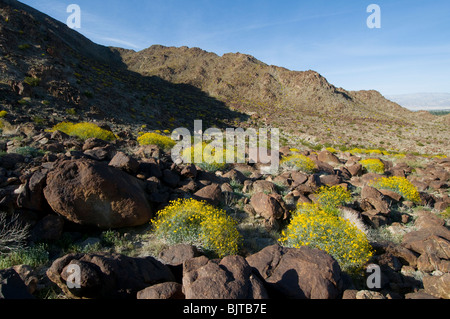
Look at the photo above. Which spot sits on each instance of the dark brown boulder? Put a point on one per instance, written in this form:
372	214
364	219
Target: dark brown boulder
109	276
165	290
267	206
125	162
298	273
90	193
211	194
229	278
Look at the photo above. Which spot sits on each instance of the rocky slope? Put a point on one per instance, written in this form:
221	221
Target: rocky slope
303	104
68	201
51	73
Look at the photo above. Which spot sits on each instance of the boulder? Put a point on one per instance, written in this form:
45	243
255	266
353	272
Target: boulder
189	171
12	286
376	200
298	273
261	186
211	194
170	178
49	228
267	206
434	240
124	162
176	255
32	196
229	278
165	290
90	193
438	286
108	276
328	157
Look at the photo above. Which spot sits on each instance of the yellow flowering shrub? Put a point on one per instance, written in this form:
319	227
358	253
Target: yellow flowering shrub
84	130
197	223
330	198
208	155
312	226
299	162
164	142
373	165
399	185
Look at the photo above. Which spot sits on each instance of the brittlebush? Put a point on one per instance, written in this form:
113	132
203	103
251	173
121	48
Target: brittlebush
399	185
84	131
207	157
162	141
197	223
330	198
312	226
373	165
299	162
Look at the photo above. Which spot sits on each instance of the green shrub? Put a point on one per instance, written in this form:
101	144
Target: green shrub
32	81
29	151
198	223
34	256
84	131
312	226
3	114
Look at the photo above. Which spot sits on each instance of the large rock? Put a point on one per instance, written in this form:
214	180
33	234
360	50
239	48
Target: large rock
230	278
90	193
109	276
267	206
435	240
12	286
166	290
438	286
298	273
211	194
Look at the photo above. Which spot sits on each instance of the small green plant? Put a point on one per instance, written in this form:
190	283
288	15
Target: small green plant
29	151
24	46
84	131
399	185
72	111
31	81
312	226
3	114
373	165
198	223
34	256
299	162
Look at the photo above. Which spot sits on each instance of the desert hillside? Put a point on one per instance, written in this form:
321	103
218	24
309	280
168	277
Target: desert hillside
303	103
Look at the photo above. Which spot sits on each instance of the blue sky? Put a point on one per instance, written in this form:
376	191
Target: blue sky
409	54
